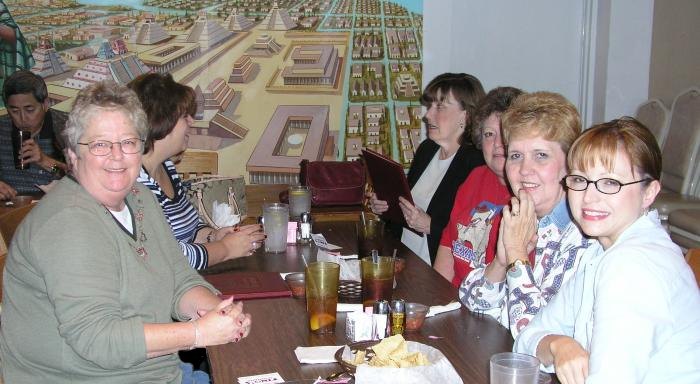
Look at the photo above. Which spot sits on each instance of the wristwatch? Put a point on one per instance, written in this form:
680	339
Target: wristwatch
55	169
517	263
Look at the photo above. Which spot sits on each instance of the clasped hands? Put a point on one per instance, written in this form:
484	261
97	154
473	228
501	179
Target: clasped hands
517	235
415	217
240	240
224	324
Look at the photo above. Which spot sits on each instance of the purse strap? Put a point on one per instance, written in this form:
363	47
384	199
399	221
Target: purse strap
205	213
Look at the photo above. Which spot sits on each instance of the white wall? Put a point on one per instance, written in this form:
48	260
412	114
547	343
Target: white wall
594	52
675	52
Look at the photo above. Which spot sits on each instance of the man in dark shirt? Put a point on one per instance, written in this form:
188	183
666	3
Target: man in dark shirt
26	98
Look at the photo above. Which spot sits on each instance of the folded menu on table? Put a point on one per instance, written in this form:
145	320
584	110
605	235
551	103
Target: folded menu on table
249	285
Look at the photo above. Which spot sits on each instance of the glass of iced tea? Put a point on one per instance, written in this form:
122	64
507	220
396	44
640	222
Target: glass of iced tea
377	279
322	295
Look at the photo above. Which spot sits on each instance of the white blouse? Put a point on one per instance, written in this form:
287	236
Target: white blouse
422	192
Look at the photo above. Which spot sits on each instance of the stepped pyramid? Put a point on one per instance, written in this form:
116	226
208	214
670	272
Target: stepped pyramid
278	20
47	61
236	22
149	32
207	33
113	62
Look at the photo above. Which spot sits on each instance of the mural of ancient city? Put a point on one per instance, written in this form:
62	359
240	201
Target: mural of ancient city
276	81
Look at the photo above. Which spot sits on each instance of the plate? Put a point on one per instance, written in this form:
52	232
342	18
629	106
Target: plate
353	346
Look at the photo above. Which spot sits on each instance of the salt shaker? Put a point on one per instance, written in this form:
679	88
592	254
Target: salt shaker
304	228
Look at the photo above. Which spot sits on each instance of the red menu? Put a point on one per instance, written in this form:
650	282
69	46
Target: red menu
249	285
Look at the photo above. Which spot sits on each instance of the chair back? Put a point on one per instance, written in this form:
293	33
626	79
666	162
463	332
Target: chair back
680	150
197	163
655	116
693	259
9	222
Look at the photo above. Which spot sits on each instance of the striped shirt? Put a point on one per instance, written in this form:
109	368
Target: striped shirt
180	214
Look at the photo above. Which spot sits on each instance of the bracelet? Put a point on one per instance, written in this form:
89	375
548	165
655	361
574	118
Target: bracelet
518	262
196	335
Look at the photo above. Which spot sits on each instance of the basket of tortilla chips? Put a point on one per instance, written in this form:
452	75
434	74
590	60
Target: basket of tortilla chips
398	361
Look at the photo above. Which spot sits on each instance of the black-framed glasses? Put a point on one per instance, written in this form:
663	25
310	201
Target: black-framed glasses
104	147
605	185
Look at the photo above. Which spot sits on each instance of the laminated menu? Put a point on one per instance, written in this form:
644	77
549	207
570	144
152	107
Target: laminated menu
248	285
389	182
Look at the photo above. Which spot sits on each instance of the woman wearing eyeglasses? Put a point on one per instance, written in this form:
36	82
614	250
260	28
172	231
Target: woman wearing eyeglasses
169	119
632	312
94	276
539	246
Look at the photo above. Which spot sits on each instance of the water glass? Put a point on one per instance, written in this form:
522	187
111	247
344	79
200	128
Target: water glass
275	219
514	368
299	200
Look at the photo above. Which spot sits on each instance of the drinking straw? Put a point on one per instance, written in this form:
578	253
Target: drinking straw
394	255
375	256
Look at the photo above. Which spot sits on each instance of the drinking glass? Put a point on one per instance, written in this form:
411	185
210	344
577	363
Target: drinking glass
19	137
275	219
370	235
377	279
299	200
322	295
514	368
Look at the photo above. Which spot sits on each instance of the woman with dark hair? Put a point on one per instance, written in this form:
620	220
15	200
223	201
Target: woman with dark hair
469	239
631	312
442	161
169	119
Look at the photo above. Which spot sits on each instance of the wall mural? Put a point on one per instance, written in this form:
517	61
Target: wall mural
276	81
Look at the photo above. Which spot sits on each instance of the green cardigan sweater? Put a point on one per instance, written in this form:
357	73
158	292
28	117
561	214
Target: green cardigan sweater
78	289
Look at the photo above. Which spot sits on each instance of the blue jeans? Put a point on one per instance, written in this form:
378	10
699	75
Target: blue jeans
190	376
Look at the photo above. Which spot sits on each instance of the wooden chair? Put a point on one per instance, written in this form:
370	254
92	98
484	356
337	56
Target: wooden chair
9	222
195	163
693	259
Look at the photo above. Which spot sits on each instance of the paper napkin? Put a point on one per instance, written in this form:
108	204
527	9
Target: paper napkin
317	355
438	309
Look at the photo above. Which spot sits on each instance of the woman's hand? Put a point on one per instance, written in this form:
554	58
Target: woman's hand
518	231
377	206
570	360
243	241
415	217
7	192
225	324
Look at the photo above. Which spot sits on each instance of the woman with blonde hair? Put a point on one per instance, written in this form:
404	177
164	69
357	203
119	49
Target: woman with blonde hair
631	313
539	246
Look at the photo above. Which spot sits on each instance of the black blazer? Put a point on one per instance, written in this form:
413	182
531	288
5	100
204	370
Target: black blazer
440	207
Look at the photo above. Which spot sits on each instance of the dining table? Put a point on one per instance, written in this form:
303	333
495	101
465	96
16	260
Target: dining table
280	325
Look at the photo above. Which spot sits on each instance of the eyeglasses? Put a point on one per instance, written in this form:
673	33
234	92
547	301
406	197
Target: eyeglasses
604	185
104	147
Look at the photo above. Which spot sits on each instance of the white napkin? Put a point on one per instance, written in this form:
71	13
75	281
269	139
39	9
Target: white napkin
348	307
317	355
223	216
46	187
438	309
349	269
